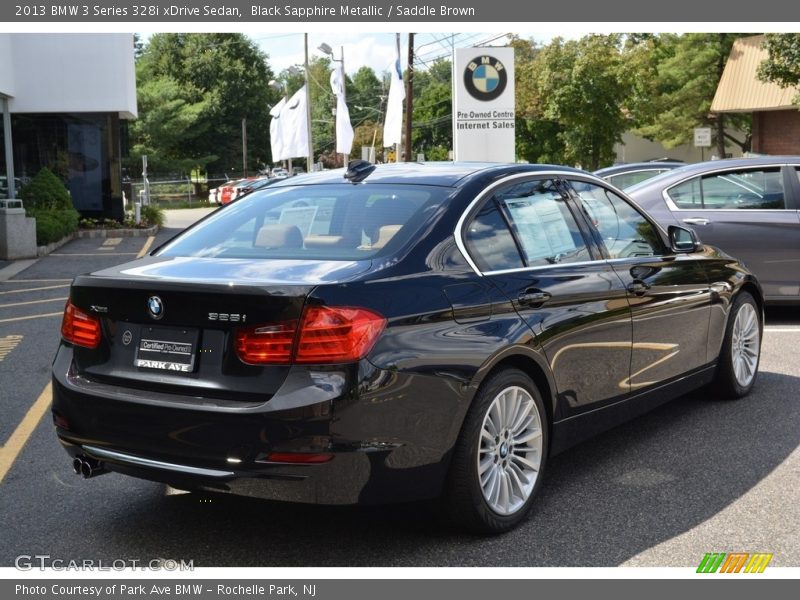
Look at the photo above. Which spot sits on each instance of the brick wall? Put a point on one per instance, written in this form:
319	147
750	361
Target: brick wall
776	132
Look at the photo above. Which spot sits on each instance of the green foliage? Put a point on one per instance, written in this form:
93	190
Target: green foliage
194	89
432	131
364	91
782	65
46	192
53	225
153	215
582	85
679	85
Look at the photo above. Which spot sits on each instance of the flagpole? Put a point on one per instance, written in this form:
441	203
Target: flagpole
308	110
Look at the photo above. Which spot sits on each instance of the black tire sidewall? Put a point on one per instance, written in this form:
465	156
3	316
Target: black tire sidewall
726	381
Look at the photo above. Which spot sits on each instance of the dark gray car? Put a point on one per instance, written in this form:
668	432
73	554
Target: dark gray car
747	207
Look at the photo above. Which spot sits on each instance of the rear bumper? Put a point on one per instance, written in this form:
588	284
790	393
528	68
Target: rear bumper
388	435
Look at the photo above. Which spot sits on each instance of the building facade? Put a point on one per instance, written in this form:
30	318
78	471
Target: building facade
66	99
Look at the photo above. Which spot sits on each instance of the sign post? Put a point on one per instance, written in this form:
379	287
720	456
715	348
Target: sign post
702	139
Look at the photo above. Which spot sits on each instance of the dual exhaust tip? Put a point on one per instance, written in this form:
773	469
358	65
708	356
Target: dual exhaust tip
87	467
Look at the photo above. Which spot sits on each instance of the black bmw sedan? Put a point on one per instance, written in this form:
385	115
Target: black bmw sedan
403	332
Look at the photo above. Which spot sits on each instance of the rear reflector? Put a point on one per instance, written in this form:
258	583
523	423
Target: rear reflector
303	458
324	335
79	328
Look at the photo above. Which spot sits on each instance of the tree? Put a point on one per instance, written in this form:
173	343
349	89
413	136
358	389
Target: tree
687	72
365	96
581	86
782	65
432	132
195	89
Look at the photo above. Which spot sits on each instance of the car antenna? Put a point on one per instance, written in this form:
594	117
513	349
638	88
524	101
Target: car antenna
358	170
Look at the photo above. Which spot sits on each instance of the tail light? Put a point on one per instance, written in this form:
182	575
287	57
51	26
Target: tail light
324	334
79	328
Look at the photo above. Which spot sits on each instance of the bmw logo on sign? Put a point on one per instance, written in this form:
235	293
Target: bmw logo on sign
155	307
485	78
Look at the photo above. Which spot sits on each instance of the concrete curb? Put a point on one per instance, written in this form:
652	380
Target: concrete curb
15	267
95	233
114	233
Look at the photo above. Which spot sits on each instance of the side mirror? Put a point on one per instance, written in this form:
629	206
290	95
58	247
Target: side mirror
682	240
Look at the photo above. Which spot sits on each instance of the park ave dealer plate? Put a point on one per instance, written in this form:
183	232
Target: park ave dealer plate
167	349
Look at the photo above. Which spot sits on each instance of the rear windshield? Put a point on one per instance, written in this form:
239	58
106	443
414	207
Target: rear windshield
325	222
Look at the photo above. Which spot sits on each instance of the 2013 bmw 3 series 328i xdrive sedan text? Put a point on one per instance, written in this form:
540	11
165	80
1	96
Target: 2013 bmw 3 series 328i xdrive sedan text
403	332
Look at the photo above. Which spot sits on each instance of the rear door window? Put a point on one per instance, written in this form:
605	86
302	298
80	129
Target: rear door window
760	189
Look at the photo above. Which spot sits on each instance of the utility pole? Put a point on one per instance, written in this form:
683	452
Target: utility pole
409	96
244	147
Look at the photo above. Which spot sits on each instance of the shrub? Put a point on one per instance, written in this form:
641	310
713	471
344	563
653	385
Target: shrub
153	214
46	192
53	225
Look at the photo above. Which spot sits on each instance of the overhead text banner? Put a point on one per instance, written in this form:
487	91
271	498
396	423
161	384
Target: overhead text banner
444	11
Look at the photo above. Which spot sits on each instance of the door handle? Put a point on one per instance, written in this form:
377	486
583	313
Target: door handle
638	287
533	298
696	221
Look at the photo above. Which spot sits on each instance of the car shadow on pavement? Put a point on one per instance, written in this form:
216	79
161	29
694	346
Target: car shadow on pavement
602	502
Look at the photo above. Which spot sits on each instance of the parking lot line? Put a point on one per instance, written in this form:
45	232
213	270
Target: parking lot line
146	247
779	329
36	289
11	450
60	299
55	314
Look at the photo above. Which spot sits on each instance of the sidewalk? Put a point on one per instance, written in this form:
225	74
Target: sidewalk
181	218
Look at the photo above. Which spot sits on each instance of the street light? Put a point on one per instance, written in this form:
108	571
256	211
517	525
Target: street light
326	49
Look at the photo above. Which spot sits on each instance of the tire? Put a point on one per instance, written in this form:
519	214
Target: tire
499	459
737	365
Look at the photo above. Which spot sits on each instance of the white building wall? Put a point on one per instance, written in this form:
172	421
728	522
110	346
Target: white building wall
6	72
71	72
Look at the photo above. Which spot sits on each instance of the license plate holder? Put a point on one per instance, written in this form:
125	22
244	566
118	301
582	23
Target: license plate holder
167	349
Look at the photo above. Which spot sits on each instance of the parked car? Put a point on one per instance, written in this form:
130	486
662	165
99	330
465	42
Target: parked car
438	329
747	207
227	193
250	186
280	173
625	175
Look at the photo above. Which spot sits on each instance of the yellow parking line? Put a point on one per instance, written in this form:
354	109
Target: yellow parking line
146	246
21	435
33	302
36	289
55	314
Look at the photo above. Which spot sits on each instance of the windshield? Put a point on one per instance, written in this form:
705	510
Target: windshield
314	222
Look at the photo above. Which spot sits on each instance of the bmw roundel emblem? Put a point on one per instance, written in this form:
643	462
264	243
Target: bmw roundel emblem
155	307
485	78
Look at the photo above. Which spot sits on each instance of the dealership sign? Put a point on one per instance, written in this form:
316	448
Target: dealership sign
483	107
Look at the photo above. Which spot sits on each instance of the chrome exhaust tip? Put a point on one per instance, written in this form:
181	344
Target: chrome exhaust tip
77	466
90	467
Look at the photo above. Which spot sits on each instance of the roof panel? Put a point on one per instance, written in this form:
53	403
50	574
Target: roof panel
740	90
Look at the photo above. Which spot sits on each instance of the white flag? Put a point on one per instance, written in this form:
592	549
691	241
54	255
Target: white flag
294	125
344	129
275	131
393	125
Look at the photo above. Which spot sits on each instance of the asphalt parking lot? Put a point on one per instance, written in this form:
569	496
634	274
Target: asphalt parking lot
695	476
